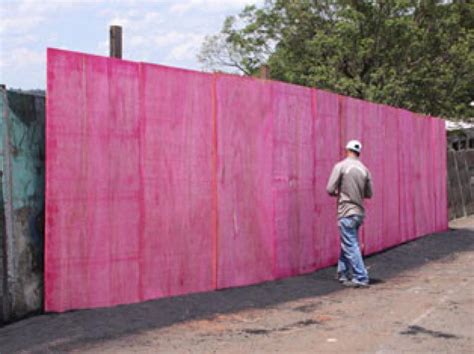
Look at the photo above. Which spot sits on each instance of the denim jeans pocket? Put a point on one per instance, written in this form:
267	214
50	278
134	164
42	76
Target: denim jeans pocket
346	222
350	222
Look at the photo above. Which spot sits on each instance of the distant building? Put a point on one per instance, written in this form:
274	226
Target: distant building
460	135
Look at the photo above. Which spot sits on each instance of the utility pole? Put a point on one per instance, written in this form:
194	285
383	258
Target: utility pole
115	42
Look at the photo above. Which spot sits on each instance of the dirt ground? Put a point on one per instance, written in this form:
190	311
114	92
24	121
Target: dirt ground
422	301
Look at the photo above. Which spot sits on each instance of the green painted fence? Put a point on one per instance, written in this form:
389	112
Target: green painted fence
22	166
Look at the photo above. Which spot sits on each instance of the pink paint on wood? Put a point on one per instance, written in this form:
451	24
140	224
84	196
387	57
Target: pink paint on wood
244	181
129	182
406	173
92	189
293	179
352	128
353	119
440	147
163	181
327	146
390	234
422	212
177	220
373	157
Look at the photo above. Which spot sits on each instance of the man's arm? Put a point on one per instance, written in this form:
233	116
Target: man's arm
334	181
368	192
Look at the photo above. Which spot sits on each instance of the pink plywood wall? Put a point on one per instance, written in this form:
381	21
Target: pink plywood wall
244	181
163	181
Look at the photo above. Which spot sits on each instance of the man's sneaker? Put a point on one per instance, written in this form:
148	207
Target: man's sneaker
342	278
354	283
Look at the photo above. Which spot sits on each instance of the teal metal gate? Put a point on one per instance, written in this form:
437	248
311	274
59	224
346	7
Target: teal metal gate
22	203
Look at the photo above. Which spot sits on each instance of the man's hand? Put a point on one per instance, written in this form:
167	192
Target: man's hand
335	193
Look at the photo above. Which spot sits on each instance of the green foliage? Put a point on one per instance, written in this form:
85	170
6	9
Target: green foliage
413	54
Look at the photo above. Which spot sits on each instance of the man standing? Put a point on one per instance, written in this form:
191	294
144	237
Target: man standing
350	182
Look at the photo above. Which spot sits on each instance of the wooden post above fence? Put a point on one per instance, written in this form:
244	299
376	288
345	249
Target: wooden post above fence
115	42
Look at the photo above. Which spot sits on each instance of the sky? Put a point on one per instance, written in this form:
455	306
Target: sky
156	31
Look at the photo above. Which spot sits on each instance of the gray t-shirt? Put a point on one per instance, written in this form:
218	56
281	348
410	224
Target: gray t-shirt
351	182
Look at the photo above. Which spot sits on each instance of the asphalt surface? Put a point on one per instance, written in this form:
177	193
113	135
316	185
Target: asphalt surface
422	301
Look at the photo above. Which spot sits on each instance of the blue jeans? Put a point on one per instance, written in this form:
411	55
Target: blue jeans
351	257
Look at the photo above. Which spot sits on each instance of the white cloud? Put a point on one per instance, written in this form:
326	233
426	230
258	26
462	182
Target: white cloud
23	68
137	41
20	28
170	38
187	49
210	5
170	47
36	6
19	24
23	16
134	21
21	58
103	47
144	37
119	21
164	31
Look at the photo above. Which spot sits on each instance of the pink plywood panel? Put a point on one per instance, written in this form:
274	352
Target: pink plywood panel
430	176
352	114
327	153
115	160
293	179
64	71
352	128
421	174
118	229
442	197
417	145
244	176
373	157
406	173
177	222
438	151
391	179
435	173
91	213
436	177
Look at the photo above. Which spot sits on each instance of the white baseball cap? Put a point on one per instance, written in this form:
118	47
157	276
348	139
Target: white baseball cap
354	145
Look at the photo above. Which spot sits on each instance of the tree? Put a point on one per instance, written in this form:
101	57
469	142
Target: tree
413	54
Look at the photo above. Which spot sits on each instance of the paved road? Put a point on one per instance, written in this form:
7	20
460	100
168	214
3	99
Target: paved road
422	302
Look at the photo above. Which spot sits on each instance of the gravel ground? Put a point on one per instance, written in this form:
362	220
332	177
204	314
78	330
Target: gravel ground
422	301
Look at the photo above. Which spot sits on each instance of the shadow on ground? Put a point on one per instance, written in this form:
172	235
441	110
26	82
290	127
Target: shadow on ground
53	332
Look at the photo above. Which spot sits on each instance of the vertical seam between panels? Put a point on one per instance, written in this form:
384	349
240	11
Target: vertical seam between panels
141	198
313	142
215	202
